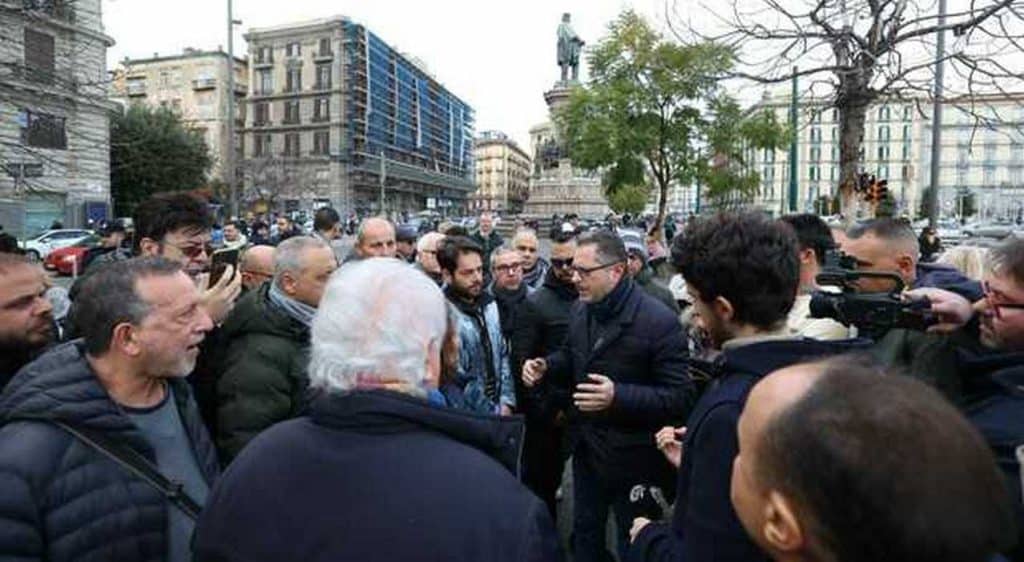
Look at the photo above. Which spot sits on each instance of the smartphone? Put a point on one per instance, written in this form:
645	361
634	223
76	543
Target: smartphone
219	264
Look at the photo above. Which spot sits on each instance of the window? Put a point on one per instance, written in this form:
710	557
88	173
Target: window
260	113
266	82
293	80
291	111
323	76
883	113
292	49
262	145
816	134
908	112
815	153
325	47
291	144
883	133
264	55
883	152
321	142
39	58
814	174
42	130
321	109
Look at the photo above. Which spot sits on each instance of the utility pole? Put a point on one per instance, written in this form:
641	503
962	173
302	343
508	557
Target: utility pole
383	180
793	149
229	174
933	185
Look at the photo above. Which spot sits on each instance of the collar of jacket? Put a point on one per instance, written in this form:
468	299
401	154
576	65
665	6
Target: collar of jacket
382	411
614	302
61	386
1005	370
565	291
254	313
762	355
471	308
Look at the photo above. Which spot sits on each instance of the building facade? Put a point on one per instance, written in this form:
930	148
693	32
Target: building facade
54	124
337	116
195	85
983	156
502	174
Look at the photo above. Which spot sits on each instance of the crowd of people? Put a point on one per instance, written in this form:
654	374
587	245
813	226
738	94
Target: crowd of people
418	396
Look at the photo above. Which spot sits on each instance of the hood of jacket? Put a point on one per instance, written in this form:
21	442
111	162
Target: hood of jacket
253	314
948	278
763	357
381	411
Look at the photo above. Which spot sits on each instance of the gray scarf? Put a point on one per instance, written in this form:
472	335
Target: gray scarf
300	312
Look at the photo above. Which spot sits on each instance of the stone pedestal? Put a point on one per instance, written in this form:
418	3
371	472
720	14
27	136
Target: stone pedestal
561	188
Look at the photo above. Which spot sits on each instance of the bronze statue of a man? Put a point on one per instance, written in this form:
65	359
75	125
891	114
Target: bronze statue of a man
569	47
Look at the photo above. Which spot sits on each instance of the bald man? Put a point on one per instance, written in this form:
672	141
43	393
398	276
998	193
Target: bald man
375	239
257	266
426	256
837	459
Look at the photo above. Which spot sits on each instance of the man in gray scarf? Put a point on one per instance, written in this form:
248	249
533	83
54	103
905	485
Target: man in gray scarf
263	371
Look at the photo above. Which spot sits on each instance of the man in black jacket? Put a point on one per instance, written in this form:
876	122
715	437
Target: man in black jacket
64	500
742	273
26	315
625	358
541	326
488	239
375	472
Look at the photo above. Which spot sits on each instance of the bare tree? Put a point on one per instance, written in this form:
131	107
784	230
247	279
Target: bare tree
863	51
274	179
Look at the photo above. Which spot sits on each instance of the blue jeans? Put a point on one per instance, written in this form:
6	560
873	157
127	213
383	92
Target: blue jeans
593	496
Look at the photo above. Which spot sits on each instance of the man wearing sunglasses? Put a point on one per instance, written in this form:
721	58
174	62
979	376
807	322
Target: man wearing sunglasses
625	359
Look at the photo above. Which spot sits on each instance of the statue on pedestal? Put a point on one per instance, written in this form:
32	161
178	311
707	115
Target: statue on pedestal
569	47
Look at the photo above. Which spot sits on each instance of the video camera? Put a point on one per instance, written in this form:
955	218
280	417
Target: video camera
873	314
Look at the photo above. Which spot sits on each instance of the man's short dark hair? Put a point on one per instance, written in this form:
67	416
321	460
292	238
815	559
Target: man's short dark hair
559	237
610	248
159	215
325	218
812	233
9	244
452	247
887	469
108	297
885	228
746	258
1008	259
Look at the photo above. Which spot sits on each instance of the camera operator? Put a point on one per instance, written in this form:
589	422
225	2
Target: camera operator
975	354
887	245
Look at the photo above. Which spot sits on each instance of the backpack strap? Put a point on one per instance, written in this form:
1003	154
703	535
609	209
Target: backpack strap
131	461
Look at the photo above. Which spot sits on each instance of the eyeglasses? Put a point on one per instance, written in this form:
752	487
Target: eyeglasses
508	268
194	250
560	264
584	271
997	307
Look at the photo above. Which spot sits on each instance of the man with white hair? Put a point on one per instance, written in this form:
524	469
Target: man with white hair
265	344
374	472
426	256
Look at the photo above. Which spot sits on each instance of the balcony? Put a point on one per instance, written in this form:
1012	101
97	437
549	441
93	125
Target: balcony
204	83
262	62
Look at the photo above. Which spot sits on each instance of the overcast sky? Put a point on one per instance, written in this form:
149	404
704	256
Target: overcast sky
497	56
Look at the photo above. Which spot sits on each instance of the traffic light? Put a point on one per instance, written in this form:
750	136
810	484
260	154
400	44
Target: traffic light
883	190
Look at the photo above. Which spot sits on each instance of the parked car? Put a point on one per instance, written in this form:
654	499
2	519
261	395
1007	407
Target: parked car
39	247
66	261
989	230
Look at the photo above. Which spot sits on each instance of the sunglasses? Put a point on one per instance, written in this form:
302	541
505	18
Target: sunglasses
997	307
194	250
561	264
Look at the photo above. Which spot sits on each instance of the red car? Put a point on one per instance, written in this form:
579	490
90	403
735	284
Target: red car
64	260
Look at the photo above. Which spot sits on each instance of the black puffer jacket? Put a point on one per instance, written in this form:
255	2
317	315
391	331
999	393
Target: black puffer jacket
61	500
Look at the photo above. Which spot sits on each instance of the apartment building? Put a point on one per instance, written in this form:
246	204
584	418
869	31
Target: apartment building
502	174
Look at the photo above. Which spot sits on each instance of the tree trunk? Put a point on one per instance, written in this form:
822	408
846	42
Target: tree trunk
659	222
851	137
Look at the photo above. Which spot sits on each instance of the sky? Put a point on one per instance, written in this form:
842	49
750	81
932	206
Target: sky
497	56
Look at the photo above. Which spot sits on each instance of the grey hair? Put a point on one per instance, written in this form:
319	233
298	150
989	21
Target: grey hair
525	232
361	229
501	251
288	255
429	241
376	321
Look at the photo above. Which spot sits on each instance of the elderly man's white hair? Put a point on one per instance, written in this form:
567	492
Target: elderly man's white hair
429	241
288	254
377	321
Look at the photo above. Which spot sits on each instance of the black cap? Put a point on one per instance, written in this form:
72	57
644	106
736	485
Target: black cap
405	233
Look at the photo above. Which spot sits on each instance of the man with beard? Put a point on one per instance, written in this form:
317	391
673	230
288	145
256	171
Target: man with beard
508	288
117	393
483	373
26	315
534	267
541	326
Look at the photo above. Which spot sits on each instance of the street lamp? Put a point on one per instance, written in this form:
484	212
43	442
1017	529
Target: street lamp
230	175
